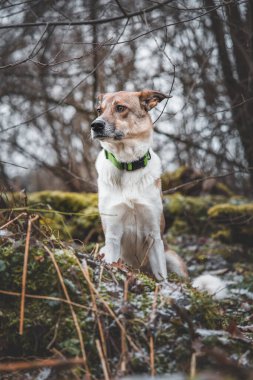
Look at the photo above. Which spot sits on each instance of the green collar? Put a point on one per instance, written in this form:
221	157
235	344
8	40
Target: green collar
128	166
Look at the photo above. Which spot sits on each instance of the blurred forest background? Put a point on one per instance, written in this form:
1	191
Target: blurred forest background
56	56
58	300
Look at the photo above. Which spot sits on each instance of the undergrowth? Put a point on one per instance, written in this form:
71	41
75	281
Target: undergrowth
65	303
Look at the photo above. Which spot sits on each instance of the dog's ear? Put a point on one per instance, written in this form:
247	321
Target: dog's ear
150	98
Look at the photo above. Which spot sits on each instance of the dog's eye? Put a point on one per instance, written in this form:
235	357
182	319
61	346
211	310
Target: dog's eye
120	108
99	111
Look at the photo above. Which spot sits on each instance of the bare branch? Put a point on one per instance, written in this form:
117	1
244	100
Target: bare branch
10	163
71	91
199	180
196	145
87	22
121	8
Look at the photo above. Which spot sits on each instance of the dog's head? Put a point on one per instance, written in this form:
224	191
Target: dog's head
124	115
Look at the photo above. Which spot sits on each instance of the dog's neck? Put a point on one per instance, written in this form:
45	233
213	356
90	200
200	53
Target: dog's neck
128	150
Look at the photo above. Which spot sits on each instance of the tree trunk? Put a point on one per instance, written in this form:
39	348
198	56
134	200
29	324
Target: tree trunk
238	71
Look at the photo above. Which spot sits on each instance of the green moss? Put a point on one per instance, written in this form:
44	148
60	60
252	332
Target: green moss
205	310
235	220
64	201
223	235
180	227
222	189
180	205
41	315
70	215
232	212
190	214
56	223
89	221
175	176
229	222
146	281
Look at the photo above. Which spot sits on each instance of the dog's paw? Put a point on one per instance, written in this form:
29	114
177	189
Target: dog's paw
107	256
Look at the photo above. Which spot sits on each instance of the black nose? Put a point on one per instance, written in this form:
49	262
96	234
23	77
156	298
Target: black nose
98	125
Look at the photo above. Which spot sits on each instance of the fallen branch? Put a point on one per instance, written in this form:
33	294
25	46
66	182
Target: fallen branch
199	180
19	366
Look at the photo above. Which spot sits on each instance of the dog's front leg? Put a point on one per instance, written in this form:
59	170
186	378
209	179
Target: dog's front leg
112	212
111	249
112	216
157	259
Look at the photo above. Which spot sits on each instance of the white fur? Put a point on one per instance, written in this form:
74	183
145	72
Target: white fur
213	285
130	206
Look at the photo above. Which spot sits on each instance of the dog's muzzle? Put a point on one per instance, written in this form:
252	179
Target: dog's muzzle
98	128
101	130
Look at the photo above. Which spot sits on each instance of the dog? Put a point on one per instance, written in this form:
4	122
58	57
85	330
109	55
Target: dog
129	185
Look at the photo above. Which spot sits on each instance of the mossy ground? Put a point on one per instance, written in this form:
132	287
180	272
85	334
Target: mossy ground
75	216
177	318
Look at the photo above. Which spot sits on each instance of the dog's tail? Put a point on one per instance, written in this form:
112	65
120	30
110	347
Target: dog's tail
175	263
213	285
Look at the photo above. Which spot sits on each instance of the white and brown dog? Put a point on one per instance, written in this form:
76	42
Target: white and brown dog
129	183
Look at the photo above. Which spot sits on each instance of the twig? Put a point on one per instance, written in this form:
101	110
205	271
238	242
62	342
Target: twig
48	298
89	235
56	329
170	61
121	8
193	366
104	366
150	240
19	366
97	317
123	333
151	339
50	211
24	275
96	251
13	220
74	316
10	163
152	355
229	108
196	181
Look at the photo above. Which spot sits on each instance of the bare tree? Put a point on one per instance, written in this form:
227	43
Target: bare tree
56	57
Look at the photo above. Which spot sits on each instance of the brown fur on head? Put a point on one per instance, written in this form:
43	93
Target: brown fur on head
127	112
